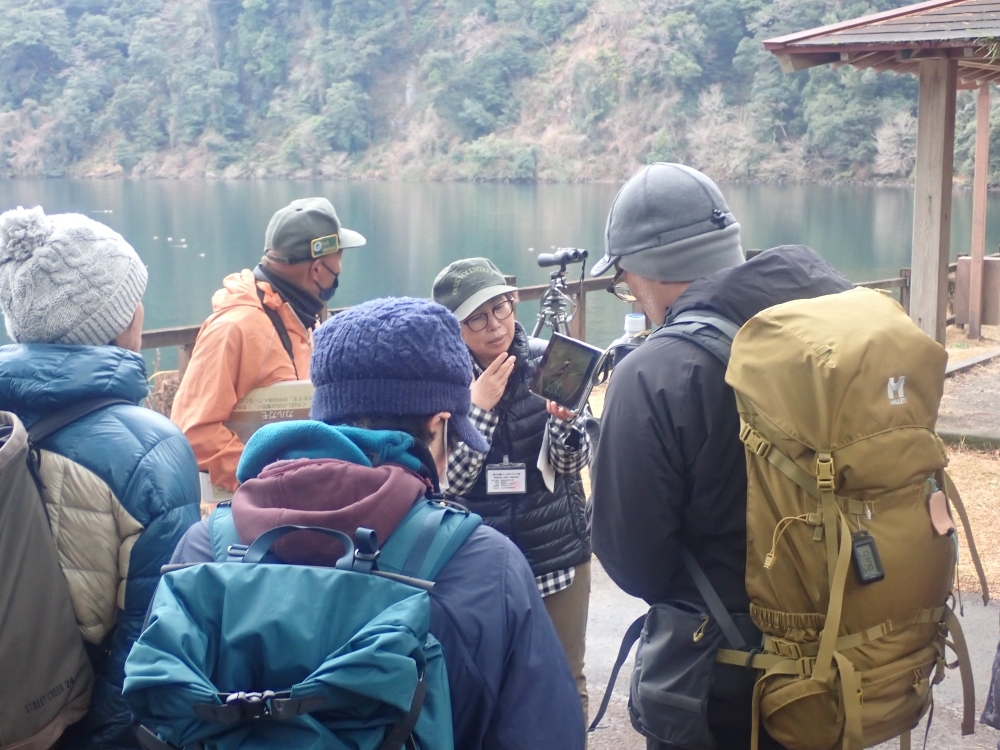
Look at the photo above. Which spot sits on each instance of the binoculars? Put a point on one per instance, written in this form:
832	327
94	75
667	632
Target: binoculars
562	257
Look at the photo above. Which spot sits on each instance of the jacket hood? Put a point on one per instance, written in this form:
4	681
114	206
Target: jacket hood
36	379
307	473
307	438
240	289
324	492
778	275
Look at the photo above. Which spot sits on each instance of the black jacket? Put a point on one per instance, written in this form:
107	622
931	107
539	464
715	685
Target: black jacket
670	468
550	528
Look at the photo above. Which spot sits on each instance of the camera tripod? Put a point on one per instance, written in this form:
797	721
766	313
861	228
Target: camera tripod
556	308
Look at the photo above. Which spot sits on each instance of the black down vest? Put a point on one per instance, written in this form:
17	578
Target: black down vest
550	528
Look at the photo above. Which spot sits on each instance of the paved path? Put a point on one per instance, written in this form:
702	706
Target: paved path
611	611
969	406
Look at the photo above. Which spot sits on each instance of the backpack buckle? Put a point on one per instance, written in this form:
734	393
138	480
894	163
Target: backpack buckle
754	441
448	504
251	705
824	472
236	552
366	551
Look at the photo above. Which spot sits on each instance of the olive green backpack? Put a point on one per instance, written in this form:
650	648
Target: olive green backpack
851	553
46	676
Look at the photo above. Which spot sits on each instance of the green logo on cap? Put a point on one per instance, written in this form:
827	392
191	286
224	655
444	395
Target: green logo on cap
325	245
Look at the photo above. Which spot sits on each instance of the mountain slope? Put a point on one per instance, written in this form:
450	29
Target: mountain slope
442	89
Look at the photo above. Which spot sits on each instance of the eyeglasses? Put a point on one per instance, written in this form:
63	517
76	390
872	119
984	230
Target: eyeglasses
620	288
479	321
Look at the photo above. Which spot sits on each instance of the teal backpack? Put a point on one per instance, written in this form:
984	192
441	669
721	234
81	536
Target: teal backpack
251	653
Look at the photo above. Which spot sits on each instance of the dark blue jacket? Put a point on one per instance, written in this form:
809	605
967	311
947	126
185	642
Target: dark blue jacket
146	463
511	688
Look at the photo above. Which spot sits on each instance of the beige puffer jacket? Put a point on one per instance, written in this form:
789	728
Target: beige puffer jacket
94	535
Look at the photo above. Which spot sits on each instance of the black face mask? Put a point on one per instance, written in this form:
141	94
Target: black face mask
326	294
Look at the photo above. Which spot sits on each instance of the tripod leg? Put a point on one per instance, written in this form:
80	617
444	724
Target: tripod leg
539	324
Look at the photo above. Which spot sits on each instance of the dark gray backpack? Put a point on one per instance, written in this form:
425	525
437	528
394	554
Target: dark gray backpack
47	675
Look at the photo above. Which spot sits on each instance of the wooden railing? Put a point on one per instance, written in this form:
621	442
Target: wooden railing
184	337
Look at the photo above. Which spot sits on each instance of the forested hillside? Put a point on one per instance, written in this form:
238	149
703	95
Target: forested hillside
443	89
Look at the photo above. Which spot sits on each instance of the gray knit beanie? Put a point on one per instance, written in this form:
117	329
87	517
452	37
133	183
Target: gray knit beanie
66	279
669	222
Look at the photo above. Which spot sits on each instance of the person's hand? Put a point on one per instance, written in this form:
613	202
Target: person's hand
488	388
560	412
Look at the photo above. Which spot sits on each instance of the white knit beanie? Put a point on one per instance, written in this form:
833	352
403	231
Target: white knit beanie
66	279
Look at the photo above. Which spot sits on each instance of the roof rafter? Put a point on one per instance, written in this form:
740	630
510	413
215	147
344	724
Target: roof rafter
900	39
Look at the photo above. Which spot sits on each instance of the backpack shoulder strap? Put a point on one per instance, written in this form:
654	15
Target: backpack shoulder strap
631	636
426	539
714	603
279	327
222	531
52	423
710	331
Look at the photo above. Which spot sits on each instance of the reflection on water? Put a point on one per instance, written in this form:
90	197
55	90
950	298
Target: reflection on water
192	233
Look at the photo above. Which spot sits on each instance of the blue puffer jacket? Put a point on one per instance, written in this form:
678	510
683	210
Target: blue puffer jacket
149	468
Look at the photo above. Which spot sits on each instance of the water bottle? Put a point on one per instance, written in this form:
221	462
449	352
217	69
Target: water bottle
635	323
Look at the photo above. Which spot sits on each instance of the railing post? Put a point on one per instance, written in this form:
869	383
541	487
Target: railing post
904	291
979	181
183	358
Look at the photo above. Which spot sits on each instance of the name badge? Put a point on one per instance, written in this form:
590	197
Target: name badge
506	479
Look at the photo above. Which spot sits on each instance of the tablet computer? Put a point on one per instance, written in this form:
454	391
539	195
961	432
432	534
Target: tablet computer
567	372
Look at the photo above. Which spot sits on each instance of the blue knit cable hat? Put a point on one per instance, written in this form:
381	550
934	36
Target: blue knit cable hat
397	356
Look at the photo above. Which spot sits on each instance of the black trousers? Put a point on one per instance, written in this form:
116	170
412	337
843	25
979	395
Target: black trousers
731	724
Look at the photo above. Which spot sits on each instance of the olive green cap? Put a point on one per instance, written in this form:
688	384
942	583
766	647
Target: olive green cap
307	229
466	284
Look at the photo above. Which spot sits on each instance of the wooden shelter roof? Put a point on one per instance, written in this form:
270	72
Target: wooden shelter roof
896	40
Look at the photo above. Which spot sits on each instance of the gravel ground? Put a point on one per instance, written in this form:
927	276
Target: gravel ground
611	611
971	401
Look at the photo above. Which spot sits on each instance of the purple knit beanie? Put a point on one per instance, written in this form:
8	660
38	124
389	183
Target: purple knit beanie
397	356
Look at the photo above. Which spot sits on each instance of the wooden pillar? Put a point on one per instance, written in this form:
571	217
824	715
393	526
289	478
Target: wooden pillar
932	196
979	211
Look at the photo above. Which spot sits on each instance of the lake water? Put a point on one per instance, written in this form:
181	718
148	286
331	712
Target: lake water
192	233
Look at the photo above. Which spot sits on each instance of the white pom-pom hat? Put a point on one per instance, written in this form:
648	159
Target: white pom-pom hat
66	279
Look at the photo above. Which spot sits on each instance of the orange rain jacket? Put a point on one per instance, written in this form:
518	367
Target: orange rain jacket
237	350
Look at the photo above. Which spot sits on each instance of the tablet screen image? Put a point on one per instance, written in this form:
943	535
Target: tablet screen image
566	372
